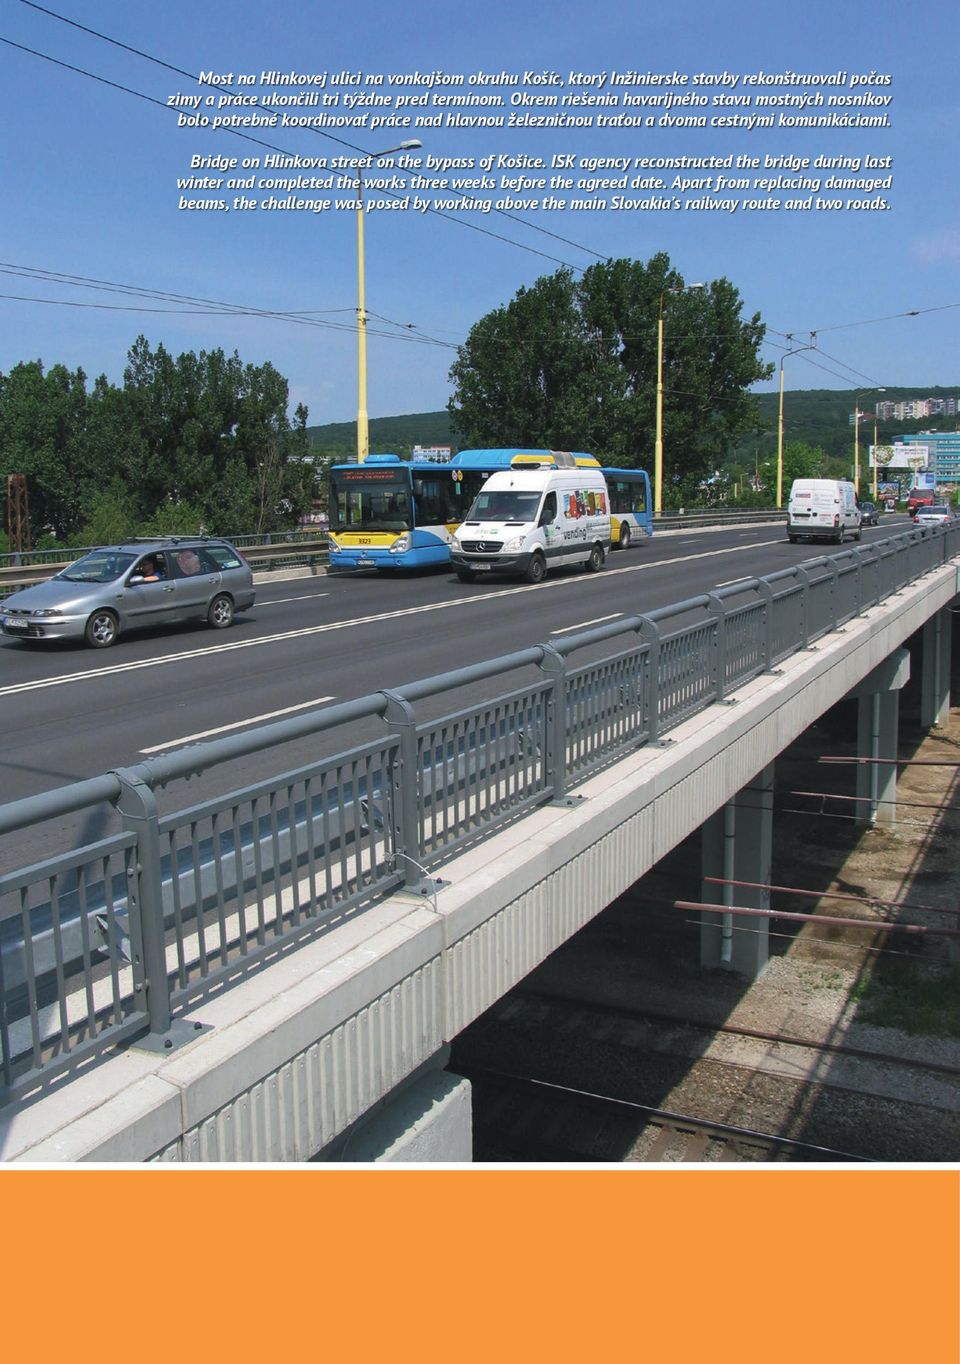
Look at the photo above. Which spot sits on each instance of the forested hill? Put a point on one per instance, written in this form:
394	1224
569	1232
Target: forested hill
387	434
822	417
819	417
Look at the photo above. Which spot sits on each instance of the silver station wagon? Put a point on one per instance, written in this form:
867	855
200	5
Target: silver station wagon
131	587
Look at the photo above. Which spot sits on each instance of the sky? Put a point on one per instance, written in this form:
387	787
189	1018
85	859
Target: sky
90	174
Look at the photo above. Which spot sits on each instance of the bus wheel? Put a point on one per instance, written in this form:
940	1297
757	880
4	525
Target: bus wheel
466	575
595	562
624	536
537	570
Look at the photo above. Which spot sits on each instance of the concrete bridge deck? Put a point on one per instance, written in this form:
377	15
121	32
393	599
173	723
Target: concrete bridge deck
288	1060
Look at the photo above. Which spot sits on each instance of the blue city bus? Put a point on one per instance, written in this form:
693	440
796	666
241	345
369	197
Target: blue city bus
631	508
388	513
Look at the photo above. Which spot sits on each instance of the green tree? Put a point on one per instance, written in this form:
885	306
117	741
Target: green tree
112	516
800	460
213	436
572	364
43	435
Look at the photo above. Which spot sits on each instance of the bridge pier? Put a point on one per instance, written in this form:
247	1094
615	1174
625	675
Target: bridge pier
737	845
426	1120
878	720
935	669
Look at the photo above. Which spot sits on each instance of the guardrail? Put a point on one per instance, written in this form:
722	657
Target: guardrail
261	555
112	939
697	520
297	547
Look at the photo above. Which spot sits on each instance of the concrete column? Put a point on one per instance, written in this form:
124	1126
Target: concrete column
426	1120
935	669
878	720
737	844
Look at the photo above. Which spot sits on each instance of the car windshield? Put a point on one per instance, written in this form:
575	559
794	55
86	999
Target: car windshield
934	511
101	566
504	506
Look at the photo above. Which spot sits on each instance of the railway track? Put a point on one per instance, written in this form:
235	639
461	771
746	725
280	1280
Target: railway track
736	1030
518	1118
560	1078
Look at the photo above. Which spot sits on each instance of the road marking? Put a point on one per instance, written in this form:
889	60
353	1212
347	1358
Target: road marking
586	624
307	631
307	596
238	724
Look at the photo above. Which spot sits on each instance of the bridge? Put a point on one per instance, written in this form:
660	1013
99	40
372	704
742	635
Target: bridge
274	974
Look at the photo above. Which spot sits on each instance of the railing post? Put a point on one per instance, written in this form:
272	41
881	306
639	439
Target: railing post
554	666
649	634
805	588
766	592
834	592
137	808
716	609
405	785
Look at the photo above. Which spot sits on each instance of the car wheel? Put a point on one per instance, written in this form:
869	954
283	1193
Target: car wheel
220	612
858	533
466	575
595	562
537	570
624	542
102	630
792	539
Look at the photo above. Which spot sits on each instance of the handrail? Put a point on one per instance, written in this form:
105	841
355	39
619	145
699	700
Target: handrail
179	900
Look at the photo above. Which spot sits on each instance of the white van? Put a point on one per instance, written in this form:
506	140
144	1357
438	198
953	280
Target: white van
822	509
525	521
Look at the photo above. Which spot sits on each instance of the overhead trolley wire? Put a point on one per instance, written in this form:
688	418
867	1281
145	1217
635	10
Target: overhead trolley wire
248	137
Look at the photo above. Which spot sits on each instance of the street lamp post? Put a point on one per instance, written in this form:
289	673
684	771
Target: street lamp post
856	435
658	443
795	351
876	453
363	433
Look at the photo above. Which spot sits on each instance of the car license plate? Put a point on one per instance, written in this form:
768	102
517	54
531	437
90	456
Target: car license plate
15	624
366	563
481	568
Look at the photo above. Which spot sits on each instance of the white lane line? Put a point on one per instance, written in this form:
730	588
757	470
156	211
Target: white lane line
307	596
306	632
587	624
238	724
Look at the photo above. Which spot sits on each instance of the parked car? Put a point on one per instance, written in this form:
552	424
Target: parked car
937	515
124	587
869	516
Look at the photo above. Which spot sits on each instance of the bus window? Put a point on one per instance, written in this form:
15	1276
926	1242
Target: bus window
627	497
369	504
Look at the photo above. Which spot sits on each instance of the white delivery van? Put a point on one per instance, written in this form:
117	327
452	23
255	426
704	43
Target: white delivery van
822	509
525	521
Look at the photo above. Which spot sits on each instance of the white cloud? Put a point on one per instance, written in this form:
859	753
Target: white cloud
937	248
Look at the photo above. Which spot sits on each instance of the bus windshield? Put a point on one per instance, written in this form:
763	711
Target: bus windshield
369	499
505	505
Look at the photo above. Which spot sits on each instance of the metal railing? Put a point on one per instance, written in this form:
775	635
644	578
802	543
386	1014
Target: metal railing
281	549
262	552
113	938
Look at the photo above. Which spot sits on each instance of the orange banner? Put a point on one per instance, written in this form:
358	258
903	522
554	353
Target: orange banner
392	1263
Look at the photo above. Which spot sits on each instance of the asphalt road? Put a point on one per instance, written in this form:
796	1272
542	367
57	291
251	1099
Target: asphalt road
69	712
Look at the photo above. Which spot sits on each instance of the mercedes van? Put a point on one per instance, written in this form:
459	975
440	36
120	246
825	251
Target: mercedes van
822	509
525	521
